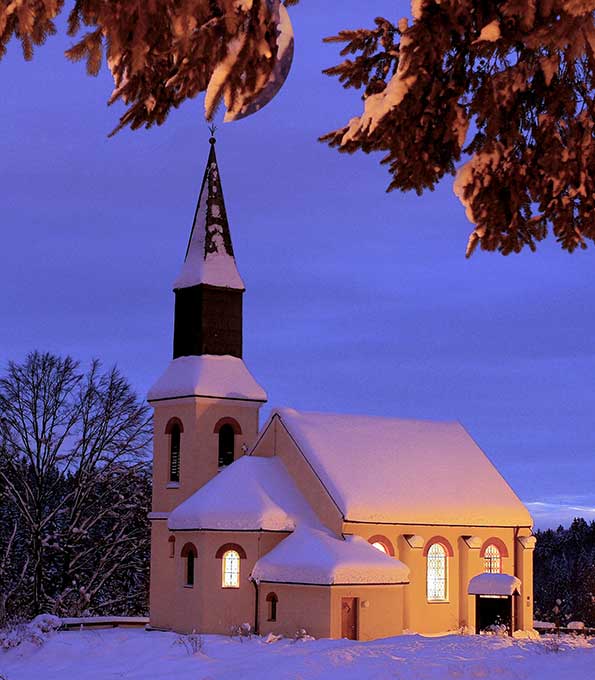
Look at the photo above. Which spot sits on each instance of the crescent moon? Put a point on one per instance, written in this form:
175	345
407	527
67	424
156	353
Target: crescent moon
285	51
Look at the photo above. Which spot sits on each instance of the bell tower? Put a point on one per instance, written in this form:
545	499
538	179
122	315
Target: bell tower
206	402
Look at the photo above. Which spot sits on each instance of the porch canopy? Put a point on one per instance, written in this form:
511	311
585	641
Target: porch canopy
494	584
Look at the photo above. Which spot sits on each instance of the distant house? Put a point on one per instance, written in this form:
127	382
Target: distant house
342	525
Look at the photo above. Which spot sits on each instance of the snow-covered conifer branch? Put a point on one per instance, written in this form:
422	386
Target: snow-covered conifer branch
500	93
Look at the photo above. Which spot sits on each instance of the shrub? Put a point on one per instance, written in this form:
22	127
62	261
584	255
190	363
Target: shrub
192	643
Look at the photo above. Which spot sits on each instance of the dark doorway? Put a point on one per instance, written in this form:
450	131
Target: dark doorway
493	610
349	617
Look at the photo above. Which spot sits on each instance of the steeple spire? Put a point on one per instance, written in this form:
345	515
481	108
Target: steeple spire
209	256
209	288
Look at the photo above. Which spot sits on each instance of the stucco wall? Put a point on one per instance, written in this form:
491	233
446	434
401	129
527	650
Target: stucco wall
306	480
380	610
458	610
317	609
524	570
162	577
199	444
299	606
206	606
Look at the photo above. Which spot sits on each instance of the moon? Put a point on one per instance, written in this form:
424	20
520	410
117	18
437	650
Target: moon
285	50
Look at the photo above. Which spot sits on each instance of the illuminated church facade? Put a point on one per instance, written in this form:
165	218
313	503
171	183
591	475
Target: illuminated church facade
340	525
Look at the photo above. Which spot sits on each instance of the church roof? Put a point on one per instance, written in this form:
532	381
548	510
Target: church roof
390	470
207	375
317	557
209	257
251	494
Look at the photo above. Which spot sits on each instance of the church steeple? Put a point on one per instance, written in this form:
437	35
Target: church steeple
209	288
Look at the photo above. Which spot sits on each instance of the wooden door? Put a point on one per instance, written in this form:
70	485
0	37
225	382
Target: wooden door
349	617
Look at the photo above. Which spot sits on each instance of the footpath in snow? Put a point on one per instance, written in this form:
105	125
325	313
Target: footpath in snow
133	654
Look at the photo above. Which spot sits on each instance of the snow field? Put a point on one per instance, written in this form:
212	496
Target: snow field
140	655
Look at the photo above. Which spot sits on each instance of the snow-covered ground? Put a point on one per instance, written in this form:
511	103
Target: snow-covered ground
135	654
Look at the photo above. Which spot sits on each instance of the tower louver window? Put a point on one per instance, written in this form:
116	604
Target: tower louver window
174	454
226	445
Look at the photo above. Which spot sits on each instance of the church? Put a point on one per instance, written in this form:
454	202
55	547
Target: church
343	526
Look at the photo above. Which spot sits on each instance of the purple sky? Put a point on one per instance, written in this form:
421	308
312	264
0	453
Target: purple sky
358	301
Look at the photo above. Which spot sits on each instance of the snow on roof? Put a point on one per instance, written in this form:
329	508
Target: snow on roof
494	584
404	471
207	376
253	493
317	557
209	258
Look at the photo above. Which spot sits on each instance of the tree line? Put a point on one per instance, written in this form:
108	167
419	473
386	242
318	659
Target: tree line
564	574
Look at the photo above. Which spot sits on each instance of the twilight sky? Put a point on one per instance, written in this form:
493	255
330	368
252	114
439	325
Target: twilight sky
357	300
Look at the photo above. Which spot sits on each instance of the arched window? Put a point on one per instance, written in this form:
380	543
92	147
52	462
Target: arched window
230	577
172	545
174	429
383	544
492	560
437	574
226	445
272	601
189	556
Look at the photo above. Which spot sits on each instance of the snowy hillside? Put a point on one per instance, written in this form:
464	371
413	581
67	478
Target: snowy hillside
138	655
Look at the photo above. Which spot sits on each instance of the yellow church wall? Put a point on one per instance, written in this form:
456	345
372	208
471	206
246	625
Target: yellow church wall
524	570
198	443
281	444
458	610
299	607
162	577
379	614
317	610
265	445
206	606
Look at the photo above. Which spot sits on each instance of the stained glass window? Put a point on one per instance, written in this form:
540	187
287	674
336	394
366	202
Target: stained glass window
492	560
437	573
231	569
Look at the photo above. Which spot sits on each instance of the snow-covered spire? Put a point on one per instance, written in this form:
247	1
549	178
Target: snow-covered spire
209	256
209	289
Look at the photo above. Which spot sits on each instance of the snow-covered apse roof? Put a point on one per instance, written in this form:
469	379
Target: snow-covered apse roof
253	493
207	376
494	584
317	557
209	257
404	471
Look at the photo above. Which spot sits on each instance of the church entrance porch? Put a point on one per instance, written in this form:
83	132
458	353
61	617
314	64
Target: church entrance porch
494	594
349	607
493	611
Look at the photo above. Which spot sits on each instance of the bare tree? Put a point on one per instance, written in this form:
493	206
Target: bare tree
75	469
